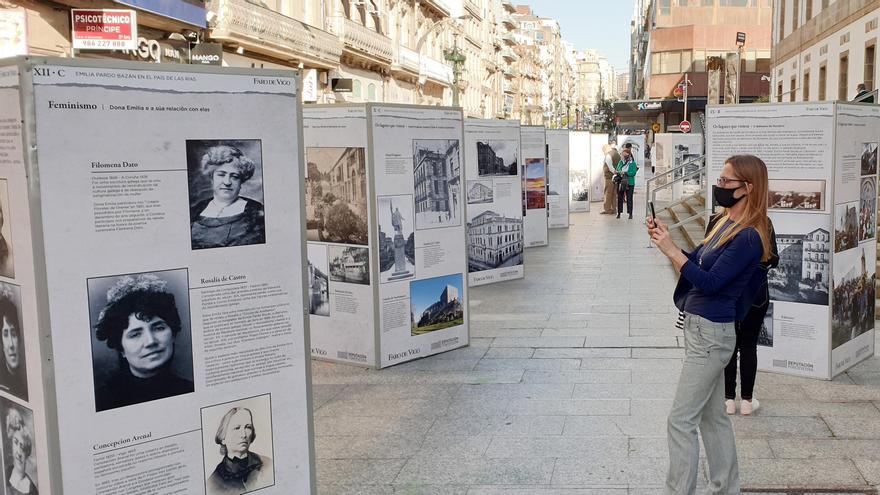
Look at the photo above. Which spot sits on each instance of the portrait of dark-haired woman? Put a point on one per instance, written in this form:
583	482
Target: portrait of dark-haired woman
140	323
13	372
240	470
226	218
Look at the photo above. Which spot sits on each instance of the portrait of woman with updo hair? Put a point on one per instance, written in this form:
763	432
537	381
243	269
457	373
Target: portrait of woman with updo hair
20	470
222	174
146	354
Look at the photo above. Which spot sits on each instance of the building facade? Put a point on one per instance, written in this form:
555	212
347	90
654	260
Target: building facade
494	239
671	38
823	49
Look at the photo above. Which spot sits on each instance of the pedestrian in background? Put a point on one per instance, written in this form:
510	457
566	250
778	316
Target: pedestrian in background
627	168
710	292
612	158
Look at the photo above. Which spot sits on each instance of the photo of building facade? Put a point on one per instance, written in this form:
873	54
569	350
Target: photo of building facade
480	192
494	241
497	158
350	265
436	303
437	181
802	274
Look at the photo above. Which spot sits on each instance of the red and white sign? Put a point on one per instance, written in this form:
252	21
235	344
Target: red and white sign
104	29
685	126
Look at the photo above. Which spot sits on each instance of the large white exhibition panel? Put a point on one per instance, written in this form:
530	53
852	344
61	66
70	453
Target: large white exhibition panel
494	201
670	151
150	225
637	141
558	164
597	167
385	205
579	172
533	171
822	165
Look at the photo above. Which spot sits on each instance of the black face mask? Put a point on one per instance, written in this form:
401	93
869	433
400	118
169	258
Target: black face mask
724	197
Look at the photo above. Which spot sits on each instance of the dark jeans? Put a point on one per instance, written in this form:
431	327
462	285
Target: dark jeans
629	200
747	347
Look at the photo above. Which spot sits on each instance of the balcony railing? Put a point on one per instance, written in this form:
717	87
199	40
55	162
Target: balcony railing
508	6
361	39
508	38
405	60
508	55
263	30
508	21
436	71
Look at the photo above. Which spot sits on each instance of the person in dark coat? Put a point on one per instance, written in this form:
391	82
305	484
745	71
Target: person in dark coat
141	323
227	219
240	470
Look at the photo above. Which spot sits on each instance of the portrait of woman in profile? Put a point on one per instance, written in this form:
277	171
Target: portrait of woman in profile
226	218
13	372
140	323
240	470
20	445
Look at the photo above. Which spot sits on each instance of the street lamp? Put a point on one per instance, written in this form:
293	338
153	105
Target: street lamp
740	43
458	59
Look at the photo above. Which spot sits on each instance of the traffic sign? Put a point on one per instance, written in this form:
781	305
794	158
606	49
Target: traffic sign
685	126
655	127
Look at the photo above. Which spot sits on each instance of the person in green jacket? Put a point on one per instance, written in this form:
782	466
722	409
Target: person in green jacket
626	169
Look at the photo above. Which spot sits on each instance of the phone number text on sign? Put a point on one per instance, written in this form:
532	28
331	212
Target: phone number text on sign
104	29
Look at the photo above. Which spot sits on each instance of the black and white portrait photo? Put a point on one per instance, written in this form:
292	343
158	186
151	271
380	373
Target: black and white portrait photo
237	446
869	159
225	192
336	195
19	451
13	371
141	340
319	281
437	183
7	268
497	157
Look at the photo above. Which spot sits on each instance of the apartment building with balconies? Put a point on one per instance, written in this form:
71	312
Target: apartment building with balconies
823	49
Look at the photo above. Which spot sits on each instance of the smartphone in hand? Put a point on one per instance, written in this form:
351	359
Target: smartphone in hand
653	213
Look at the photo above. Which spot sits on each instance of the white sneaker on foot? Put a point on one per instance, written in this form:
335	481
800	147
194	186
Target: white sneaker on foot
747	407
731	406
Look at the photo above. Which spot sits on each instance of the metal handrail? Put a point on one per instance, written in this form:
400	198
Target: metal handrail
652	193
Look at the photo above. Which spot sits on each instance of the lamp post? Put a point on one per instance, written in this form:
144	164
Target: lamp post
457	58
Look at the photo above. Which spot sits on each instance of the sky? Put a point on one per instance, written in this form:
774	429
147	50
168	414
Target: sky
601	25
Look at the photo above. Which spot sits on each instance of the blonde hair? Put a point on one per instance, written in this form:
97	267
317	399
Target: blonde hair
751	170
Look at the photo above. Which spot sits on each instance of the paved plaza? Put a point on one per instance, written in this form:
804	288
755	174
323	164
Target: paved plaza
565	389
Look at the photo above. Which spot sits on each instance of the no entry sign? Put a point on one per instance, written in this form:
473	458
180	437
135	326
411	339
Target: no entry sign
104	29
685	126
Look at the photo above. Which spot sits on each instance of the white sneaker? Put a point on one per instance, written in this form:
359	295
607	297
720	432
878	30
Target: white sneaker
747	407
730	404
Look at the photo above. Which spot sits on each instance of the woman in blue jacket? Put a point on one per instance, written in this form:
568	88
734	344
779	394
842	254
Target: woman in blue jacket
710	291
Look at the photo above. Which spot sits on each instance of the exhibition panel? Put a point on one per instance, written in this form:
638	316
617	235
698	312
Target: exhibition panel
162	201
342	285
822	165
494	201
671	150
558	163
385	205
533	171
417	155
579	172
